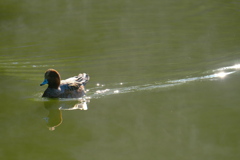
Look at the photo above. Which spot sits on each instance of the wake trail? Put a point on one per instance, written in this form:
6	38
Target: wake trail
102	90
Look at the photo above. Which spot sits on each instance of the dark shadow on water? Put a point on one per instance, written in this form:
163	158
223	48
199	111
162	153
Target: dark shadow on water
55	107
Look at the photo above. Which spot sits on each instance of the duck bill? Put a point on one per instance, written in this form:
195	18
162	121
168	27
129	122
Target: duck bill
44	82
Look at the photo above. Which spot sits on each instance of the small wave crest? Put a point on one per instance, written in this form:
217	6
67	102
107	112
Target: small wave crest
103	90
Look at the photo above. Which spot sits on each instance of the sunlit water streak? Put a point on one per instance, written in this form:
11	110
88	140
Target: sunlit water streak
103	90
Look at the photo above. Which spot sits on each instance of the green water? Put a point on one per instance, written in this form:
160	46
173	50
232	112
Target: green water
164	79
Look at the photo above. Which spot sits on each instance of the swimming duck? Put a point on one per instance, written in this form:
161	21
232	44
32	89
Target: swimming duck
70	88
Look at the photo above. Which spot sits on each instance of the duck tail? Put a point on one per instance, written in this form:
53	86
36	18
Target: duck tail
83	78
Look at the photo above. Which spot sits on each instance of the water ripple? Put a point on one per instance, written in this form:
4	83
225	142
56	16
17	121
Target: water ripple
102	90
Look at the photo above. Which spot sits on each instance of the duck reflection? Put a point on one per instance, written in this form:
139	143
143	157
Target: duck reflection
55	107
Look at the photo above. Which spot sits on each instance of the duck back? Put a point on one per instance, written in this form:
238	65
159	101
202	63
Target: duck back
74	87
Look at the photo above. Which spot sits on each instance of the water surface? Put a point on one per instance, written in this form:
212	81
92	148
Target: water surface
164	79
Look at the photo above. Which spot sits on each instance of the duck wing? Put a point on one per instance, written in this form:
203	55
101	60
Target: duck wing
82	78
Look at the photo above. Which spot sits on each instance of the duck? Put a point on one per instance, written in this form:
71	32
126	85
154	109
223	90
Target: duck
73	87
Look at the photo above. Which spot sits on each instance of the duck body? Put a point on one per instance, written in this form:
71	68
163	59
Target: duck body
73	87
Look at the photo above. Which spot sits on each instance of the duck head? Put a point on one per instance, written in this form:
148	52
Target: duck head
52	78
